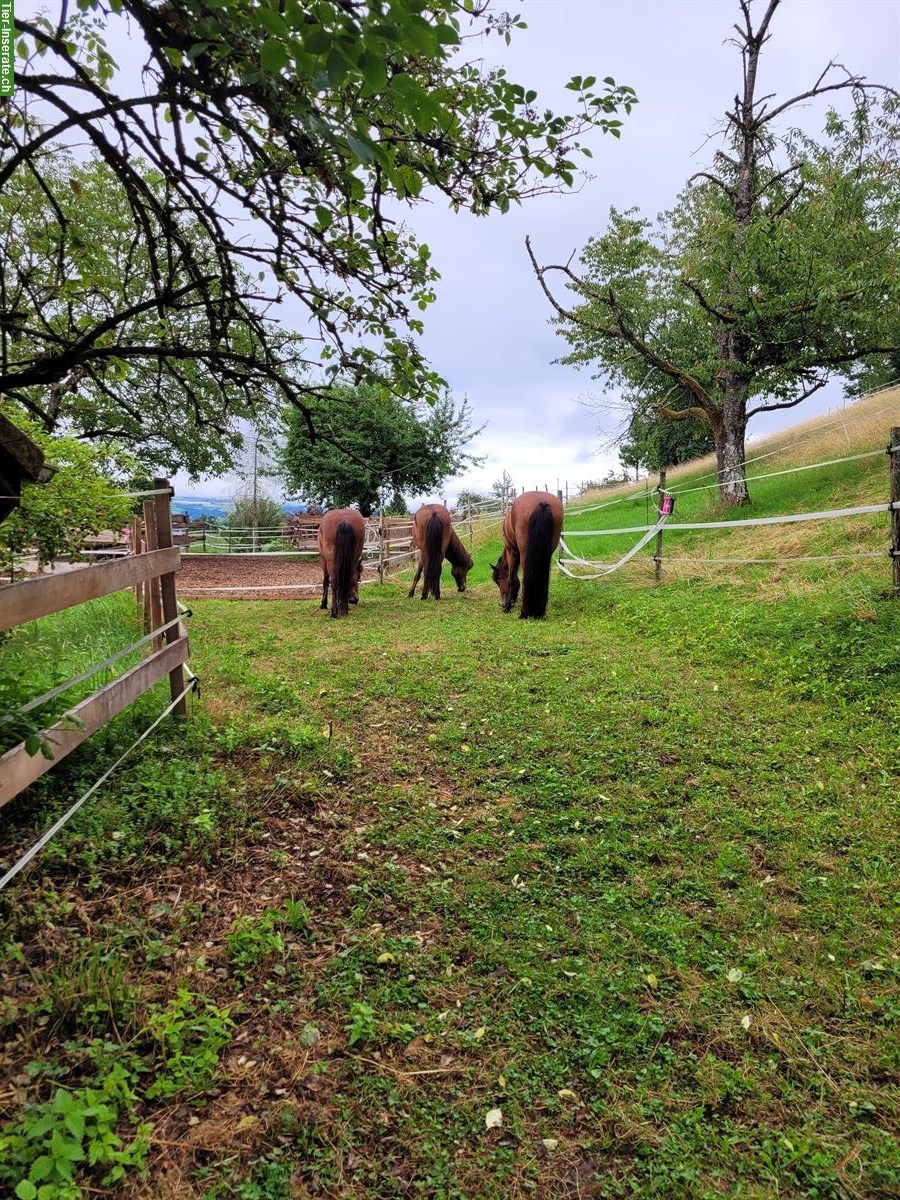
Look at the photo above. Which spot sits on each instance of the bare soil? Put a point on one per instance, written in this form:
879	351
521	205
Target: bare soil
248	577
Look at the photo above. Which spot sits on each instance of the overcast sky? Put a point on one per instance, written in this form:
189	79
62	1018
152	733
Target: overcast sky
488	332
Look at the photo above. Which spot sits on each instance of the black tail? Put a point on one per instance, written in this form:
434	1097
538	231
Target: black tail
538	552
345	558
434	557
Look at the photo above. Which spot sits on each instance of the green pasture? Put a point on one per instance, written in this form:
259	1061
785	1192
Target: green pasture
845	485
624	881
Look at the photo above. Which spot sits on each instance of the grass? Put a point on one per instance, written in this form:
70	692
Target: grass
860	428
627	876
41	655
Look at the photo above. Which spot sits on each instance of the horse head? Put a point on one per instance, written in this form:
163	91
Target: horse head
500	576
459	573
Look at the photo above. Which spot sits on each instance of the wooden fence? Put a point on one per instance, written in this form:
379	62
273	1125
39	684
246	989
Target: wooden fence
152	574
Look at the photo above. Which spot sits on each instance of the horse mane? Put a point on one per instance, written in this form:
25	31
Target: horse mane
456	553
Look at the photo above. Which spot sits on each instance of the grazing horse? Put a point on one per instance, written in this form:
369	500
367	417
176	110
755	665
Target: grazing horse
342	533
434	538
531	532
460	560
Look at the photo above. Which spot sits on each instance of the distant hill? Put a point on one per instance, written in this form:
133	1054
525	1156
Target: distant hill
196	507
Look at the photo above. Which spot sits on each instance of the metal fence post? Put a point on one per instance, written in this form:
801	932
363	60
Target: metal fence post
657	557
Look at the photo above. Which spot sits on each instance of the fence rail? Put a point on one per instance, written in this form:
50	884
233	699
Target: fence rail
33	598
579	567
151	572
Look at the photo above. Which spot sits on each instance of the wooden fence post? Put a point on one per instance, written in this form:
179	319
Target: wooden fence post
657	557
152	607
894	459
163	507
136	549
381	554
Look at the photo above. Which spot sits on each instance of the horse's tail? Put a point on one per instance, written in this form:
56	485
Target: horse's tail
345	558
538	552
433	555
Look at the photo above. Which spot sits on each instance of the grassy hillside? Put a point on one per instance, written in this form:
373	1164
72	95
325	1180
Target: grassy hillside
858	429
434	902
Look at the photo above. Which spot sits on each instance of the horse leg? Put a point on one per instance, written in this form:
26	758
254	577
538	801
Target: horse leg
354	598
512	591
425	588
415	583
324	603
522	612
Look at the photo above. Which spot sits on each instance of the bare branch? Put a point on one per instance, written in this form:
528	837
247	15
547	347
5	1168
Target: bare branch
694	288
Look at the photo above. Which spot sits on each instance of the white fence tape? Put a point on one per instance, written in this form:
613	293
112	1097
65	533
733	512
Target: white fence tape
829	514
831	462
563	564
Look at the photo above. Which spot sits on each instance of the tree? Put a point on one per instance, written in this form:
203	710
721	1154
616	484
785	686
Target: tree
873	374
374	441
504	489
397	507
72	258
468	499
246	516
293	137
654	442
53	519
777	268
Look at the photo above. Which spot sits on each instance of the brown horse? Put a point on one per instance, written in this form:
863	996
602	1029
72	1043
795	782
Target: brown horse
531	532
434	538
460	560
342	533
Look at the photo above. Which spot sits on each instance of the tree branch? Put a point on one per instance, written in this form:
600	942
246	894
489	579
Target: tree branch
622	333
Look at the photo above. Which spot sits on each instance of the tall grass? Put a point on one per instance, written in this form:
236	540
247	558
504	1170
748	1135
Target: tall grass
40	655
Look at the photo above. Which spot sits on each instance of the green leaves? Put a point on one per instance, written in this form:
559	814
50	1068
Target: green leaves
273	56
383	441
77	1126
270	20
298	112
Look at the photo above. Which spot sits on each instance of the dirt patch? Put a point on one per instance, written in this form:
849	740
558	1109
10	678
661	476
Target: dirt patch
248	577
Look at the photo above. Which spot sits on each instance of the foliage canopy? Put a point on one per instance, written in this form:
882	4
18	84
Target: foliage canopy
375	441
776	269
53	519
72	258
267	153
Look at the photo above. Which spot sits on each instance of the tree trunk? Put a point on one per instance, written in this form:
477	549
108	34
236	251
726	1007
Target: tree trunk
729	434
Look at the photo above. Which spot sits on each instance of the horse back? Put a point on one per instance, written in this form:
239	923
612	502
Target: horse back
524	507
